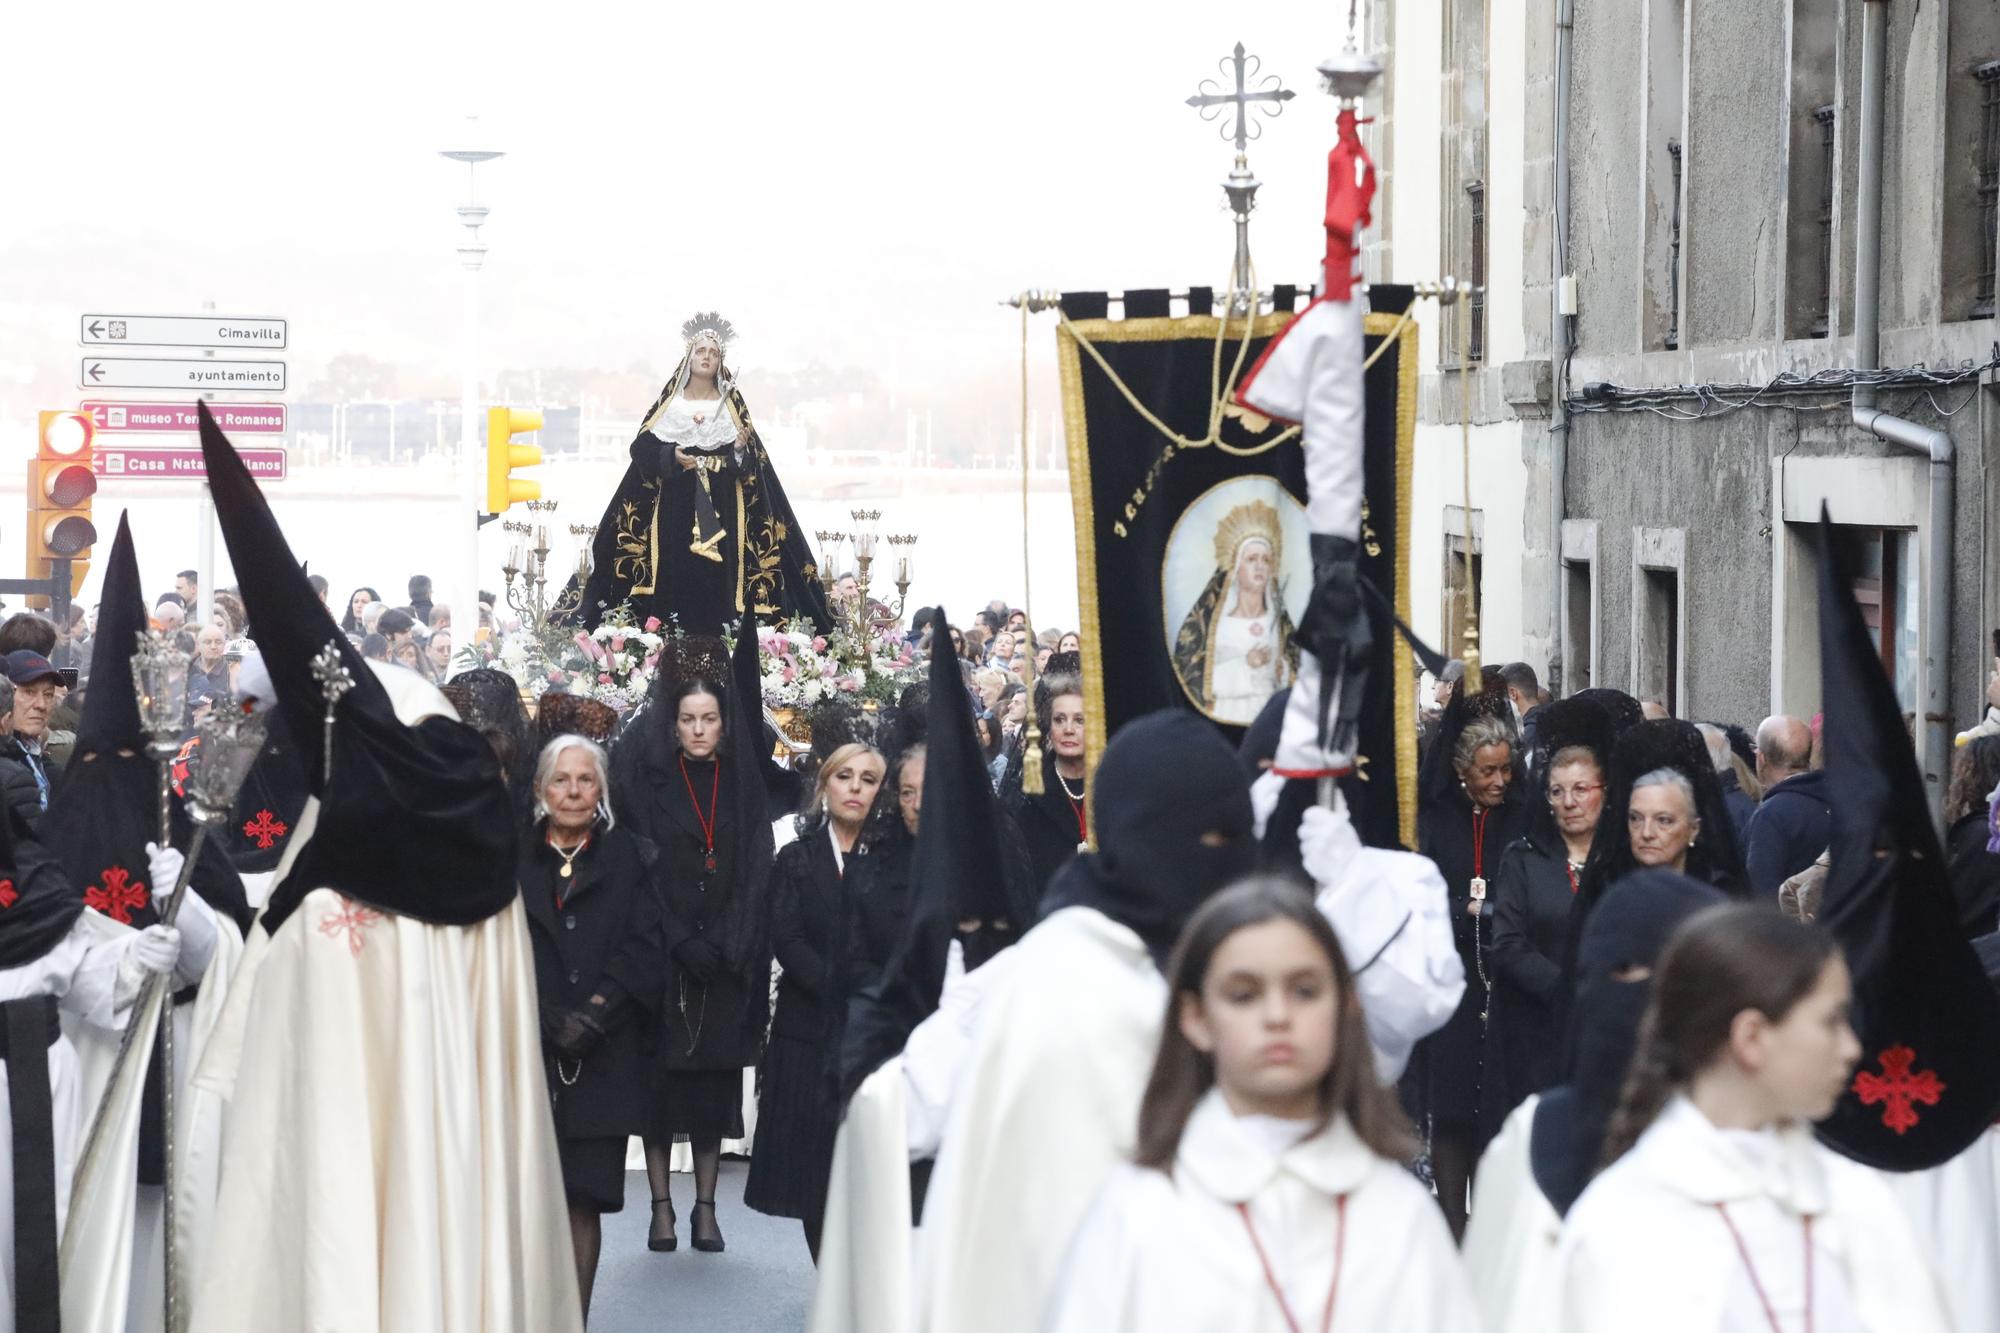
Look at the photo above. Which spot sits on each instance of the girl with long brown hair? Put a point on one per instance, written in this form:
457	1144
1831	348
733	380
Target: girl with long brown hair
1717	1209
1268	1190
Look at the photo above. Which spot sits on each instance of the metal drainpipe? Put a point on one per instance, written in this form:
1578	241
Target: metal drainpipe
1935	750
1559	342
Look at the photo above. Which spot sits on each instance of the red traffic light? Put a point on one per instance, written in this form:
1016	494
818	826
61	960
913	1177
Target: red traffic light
69	485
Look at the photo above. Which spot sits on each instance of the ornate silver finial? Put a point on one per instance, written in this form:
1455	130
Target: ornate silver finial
1269	97
1232	109
1349	75
335	680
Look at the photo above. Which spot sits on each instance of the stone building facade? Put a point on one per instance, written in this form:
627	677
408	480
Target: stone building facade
1701	389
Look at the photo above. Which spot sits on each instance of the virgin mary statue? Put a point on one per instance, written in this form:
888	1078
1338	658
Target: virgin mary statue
1234	649
699	532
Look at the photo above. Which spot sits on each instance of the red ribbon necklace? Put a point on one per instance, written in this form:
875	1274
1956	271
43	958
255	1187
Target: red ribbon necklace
1770	1311
1478	841
1271	1278
707	821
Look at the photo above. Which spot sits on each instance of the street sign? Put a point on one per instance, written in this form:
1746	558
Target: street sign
180	331
265	464
180	418
130	372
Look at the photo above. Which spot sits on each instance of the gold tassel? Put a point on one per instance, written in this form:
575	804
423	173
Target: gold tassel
1031	747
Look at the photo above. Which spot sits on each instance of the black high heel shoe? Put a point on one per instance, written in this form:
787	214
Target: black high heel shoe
710	1241
659	1238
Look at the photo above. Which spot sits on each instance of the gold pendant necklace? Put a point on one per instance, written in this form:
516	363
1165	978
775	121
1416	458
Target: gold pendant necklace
569	857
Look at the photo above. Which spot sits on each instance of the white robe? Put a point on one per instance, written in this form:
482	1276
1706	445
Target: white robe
81	971
391	1162
1046	1108
119	1282
864	1252
1391	914
1160	1253
1510	1240
1955	1210
1646	1250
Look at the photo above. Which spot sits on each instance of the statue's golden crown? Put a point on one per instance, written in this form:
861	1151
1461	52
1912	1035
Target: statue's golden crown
1255	520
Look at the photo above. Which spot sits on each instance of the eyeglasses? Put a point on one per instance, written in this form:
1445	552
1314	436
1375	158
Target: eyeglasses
1573	795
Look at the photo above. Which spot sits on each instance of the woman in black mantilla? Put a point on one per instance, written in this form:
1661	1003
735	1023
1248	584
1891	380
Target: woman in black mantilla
1469	810
699	532
1055	823
685	776
1713	858
813	884
592	899
1533	892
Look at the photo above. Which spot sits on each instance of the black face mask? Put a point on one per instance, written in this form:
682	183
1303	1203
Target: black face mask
1628	929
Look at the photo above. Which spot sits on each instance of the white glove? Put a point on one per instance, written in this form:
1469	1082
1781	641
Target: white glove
156	949
153	950
165	864
956	998
195	921
1328	845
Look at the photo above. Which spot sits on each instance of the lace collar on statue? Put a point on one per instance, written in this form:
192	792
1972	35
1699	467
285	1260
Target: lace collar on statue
676	424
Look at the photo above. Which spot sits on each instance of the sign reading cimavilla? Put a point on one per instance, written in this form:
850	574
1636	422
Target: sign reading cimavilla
181	331
193	374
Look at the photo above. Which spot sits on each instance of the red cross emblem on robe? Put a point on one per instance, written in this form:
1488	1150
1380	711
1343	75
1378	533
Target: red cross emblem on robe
117	896
9	895
265	829
1897	1089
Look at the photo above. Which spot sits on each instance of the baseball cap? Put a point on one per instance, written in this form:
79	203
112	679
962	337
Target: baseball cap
25	667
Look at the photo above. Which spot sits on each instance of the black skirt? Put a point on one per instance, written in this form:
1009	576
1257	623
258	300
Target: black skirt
796	1128
593	1172
696	1104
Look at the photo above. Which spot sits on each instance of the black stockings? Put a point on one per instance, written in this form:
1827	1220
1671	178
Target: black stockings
1451	1167
586	1237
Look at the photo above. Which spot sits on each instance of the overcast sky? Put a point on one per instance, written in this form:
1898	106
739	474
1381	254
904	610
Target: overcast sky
848	183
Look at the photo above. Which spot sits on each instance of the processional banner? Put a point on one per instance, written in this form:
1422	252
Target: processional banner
1193	565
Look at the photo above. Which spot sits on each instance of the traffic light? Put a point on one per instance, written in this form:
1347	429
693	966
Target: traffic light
61	483
503	456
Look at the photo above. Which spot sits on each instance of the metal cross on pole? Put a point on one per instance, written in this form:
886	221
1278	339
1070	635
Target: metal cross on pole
1268	96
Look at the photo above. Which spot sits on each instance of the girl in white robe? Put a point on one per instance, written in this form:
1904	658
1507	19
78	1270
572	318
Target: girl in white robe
1544	1156
1720	1211
1268	1191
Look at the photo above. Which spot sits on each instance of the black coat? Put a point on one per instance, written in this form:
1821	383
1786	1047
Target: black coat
23	795
808	918
1532	895
879	904
1448	1070
798	1108
1975	875
710	922
1792	826
1048	827
604	940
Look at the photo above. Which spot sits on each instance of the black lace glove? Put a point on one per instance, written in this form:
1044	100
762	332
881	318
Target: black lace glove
702	960
577	1033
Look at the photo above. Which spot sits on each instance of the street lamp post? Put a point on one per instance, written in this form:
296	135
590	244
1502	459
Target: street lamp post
471	255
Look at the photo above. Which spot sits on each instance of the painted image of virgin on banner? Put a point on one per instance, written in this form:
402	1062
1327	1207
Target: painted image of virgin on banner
1236	577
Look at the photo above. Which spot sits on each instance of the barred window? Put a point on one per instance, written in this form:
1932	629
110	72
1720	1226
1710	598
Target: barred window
1673	339
1988	195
